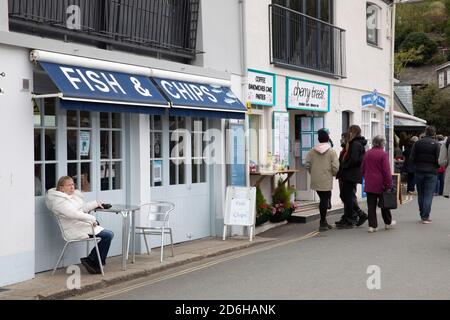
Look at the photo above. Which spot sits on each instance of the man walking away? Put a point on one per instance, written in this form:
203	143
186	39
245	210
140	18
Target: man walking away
444	158
350	174
425	156
323	164
408	166
441	171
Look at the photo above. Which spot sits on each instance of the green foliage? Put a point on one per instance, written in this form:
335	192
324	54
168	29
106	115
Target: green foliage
282	195
425	16
404	58
282	206
433	105
429	16
416	40
263	209
438	59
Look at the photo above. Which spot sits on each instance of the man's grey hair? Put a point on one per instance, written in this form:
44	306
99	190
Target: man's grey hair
378	142
430	131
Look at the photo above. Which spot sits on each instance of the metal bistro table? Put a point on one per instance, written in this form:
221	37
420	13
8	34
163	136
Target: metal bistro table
127	212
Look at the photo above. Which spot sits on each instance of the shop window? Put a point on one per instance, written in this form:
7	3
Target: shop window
198	145
156	151
177	158
365	125
79	148
45	152
111	153
254	127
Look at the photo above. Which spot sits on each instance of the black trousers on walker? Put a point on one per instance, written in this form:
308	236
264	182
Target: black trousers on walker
325	198
372	202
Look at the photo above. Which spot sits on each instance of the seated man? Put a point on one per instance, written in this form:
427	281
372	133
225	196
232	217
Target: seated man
73	212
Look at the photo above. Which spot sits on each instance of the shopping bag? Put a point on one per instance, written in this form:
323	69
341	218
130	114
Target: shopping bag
388	200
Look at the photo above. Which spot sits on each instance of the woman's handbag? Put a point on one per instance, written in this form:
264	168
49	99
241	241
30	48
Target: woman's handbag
388	199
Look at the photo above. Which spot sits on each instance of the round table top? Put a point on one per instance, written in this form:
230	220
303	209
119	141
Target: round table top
119	208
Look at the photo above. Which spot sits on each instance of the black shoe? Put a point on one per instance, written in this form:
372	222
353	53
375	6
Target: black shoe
362	219
340	222
90	266
447	197
345	226
325	227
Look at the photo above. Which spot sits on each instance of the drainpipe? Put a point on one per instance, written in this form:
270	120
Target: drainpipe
391	105
242	11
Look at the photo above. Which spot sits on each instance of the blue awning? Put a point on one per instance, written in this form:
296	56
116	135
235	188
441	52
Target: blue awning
96	86
195	99
110	107
206	114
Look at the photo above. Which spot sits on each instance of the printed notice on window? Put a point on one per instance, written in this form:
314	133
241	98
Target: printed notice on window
85	141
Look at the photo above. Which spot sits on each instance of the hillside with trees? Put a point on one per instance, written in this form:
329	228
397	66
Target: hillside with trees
423	39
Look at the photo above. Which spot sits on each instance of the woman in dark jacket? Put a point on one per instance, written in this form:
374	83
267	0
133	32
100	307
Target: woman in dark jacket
350	175
377	174
408	165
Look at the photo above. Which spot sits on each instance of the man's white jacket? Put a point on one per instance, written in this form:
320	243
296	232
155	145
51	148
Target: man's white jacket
73	213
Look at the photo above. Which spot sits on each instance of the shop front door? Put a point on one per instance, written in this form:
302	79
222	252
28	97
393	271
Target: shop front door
87	146
180	174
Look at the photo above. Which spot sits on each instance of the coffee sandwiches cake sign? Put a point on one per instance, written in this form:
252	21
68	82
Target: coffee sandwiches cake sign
261	88
308	95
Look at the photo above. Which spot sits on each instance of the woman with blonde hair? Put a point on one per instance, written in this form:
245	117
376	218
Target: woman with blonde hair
72	211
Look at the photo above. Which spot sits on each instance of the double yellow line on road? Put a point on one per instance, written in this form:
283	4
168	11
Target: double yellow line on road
203	266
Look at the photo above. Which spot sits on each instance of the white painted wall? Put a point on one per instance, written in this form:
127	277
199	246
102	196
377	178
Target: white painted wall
368	67
220	35
4	15
16	169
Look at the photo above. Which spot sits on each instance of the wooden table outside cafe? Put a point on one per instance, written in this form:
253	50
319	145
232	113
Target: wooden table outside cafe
272	174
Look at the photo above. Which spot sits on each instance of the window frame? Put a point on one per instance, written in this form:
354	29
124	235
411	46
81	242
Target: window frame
153	132
78	160
203	134
377	30
110	161
43	162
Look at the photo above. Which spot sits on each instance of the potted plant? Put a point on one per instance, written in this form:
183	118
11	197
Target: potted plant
283	207
263	209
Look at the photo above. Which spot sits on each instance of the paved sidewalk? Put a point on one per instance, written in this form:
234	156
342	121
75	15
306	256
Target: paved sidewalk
45	286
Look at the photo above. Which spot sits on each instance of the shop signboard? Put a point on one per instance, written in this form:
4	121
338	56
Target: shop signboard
373	100
240	208
199	96
307	95
261	88
94	85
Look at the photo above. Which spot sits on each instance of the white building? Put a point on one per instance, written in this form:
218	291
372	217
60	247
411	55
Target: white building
119	149
337	51
117	146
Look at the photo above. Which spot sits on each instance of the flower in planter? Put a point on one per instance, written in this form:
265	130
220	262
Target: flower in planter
263	209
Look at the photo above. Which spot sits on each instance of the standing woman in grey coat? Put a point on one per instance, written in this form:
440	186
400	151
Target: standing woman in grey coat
444	158
323	164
